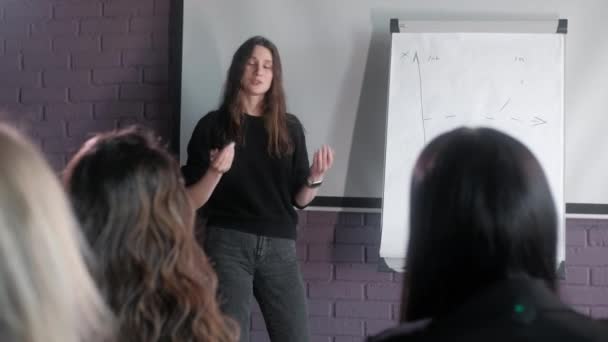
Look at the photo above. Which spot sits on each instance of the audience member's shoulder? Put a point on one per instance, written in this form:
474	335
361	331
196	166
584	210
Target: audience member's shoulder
575	325
411	331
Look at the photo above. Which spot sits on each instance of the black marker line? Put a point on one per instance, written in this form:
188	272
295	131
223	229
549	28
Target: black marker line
506	103
538	123
421	97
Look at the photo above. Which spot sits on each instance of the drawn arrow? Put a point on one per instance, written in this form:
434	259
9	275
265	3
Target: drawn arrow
506	103
415	59
538	121
490	116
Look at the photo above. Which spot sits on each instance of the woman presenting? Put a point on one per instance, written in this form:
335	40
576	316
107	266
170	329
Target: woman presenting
248	166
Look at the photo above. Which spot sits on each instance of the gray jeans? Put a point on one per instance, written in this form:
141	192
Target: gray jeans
249	265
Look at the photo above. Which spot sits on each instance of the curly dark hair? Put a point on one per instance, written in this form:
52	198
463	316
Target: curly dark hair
129	196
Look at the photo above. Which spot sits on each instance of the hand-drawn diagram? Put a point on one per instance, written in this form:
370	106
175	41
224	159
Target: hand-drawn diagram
505	111
513	83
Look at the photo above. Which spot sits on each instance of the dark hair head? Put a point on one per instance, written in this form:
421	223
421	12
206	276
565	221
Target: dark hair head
480	210
128	193
274	100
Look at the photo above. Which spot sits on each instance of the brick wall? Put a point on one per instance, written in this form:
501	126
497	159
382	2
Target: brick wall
586	283
348	298
70	68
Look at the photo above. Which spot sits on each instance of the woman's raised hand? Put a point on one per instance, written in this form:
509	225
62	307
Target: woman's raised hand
221	160
321	162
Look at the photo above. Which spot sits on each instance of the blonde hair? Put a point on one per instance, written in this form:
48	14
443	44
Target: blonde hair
46	291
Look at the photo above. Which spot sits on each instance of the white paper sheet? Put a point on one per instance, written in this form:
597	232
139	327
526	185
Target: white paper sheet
440	81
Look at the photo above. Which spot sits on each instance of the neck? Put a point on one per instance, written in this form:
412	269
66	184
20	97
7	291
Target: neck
252	104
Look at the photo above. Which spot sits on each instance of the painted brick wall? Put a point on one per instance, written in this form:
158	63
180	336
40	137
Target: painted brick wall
586	283
348	298
69	68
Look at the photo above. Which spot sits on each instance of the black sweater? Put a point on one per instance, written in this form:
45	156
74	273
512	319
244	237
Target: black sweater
517	309
257	194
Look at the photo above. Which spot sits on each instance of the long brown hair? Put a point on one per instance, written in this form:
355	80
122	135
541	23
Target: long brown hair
274	110
129	196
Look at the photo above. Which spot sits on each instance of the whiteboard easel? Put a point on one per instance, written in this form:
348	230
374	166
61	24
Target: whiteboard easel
504	75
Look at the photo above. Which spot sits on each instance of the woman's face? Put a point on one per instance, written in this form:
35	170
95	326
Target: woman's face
257	76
